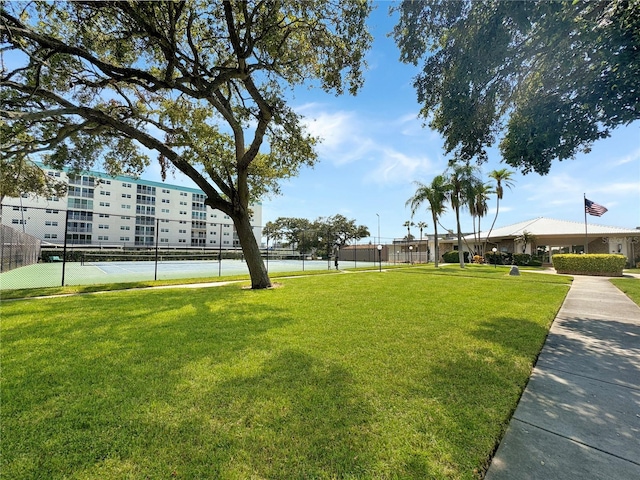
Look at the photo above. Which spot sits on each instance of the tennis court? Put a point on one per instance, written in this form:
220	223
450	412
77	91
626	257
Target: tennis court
95	272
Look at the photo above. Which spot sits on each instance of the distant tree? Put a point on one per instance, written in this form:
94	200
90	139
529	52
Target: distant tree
436	195
421	226
503	178
19	176
525	238
553	77
463	180
408	224
337	231
478	207
271	232
296	232
199	84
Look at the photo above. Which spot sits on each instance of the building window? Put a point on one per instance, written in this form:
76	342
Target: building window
105	204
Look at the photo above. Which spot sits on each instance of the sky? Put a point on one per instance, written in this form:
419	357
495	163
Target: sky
375	146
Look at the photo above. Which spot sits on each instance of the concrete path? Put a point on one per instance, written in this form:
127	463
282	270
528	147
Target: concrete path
579	416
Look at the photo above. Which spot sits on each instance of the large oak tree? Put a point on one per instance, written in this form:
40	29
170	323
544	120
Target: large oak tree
548	78
200	84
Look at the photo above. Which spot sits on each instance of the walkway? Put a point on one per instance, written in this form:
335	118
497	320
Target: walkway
579	416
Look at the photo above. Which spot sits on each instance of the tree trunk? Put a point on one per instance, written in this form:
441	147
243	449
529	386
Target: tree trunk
257	271
486	240
460	252
435	239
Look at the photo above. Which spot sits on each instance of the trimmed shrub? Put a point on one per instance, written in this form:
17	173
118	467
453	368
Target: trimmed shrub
498	258
452	257
605	265
521	259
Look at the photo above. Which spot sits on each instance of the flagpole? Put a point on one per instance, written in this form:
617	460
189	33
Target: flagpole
586	236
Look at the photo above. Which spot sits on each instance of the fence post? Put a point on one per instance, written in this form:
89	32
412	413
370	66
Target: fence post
220	252
155	272
64	248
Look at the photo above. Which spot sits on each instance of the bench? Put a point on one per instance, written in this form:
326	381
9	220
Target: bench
55	258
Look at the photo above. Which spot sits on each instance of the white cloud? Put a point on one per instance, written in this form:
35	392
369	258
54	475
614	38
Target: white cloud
397	167
348	138
620	188
631	157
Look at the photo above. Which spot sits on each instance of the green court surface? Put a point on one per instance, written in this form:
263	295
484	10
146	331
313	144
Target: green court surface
50	274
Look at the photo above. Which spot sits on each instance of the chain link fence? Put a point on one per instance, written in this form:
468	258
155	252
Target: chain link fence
17	249
44	247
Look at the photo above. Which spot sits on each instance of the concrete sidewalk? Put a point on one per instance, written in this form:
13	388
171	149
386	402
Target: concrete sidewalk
579	416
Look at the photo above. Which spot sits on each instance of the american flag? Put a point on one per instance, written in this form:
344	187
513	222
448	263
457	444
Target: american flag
593	208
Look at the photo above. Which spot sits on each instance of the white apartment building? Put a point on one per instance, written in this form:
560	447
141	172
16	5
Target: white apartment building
124	211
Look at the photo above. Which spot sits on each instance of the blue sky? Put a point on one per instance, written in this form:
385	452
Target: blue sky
375	147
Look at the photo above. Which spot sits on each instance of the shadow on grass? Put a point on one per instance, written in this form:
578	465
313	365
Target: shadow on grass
298	417
186	382
520	336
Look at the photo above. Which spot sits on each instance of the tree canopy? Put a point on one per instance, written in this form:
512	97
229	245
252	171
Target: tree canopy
199	84
323	234
550	77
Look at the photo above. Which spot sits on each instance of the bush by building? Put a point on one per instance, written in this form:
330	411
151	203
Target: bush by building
606	265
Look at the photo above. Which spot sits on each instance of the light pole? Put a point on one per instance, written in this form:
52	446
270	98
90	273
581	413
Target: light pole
495	260
410	254
380	257
378	227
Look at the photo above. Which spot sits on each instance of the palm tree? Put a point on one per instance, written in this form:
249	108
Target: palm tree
479	207
463	177
526	238
421	226
503	178
436	194
408	224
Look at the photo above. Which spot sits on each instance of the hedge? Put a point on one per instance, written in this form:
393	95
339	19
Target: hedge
605	265
453	257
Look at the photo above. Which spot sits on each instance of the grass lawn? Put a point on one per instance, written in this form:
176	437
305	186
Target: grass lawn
409	373
630	286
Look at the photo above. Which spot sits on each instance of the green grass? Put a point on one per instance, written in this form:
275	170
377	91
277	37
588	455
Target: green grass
409	373
630	286
108	287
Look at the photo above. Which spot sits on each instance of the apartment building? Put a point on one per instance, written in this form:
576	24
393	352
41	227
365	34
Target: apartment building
124	211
